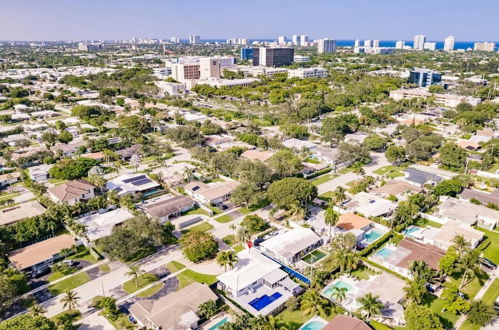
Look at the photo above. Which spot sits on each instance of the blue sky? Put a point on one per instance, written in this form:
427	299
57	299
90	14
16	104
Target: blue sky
339	19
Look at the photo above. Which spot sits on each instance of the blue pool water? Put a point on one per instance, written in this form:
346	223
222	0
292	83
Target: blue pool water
219	324
384	253
328	292
372	235
264	301
313	325
411	230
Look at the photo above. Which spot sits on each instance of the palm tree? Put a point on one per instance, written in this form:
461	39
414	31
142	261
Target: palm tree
70	300
37	310
233	228
339	294
469	264
420	271
312	303
370	305
227	258
243	235
415	291
135	272
339	195
460	244
273	323
331	218
357	168
347	260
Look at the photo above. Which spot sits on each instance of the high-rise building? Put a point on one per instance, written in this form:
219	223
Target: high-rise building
209	68
484	46
449	43
357	43
273	56
295	39
194	39
326	46
281	40
375	43
304	40
400	44
246	54
424	77
175	40
419	41
184	72
242	41
367	43
430	45
85	47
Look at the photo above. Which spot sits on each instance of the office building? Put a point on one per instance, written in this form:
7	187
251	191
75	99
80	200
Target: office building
357	43
400	44
308	73
85	47
209	68
301	59
419	41
375	43
424	77
246	54
194	39
281	40
273	56
449	43
367	43
295	40
183	72
242	41
304	40
484	46
175	40
430	45
326	46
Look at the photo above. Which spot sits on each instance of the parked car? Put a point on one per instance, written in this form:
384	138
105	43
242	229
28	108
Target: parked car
40	272
257	241
488	264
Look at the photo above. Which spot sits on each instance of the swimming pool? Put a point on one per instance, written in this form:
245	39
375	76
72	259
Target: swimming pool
313	325
264	301
219	324
313	256
411	230
384	253
372	235
329	291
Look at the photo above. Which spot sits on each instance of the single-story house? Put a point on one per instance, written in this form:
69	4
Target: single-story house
39	173
8	179
41	254
169	208
343	322
469	213
133	183
451	229
69	149
419	177
100	225
370	205
298	144
261	155
20	212
290	246
177	310
127	153
399	189
483	197
356	138
72	192
213	193
258	284
327	155
174	174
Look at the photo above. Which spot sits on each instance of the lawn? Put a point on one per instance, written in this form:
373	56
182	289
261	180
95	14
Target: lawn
105	268
57	181
490	245
238	248
229	240
197	210
386	169
293	319
224	218
73	315
69	283
394	174
151	291
448	319
4	197
426	222
189	276
58	274
489	297
174	266
83	255
323	179
130	286
363	273
313	257
327	195
203	226
214	209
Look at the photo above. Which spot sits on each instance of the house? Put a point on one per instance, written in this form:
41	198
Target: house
449	230
41	254
290	246
365	230
212	193
175	174
298	144
133	183
327	155
399	189
176	310
169	208
356	138
127	153
39	173
100	225
21	211
72	192
398	258
8	179
68	150
261	155
258	284
342	322
419	177
469	213
482	197
370	205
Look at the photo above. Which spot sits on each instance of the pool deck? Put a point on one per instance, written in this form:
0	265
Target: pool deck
210	323
244	300
314	319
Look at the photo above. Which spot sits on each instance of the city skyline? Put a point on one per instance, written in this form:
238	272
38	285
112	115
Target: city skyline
110	20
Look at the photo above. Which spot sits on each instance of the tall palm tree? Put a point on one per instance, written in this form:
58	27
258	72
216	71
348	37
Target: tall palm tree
339	294
37	310
243	235
339	195
469	263
420	271
273	323
357	169
70	300
415	291
347	260
370	305
312	303
460	244
135	272
331	218
227	258
233	228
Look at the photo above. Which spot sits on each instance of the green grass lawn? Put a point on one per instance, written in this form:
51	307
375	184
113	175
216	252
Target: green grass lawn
394	174
489	297
189	276
69	283
105	268
57	181
4	197
238	248
244	210
472	288
490	245
426	222
174	266
151	291
83	256
323	179
448	319
196	210
214	209
293	319
58	274
363	273
327	195
73	315
130	286
386	169
224	218
229	240
218	180
203	226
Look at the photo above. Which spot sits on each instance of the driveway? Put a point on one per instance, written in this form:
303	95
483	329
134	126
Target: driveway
95	322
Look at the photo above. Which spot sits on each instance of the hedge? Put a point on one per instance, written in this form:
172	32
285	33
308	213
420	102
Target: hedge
377	244
321	172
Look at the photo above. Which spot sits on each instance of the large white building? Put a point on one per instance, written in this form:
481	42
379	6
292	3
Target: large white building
303	40
484	46
375	43
281	40
308	73
193	39
400	44
295	40
209	68
430	45
448	100
419	41
367	43
326	46
449	43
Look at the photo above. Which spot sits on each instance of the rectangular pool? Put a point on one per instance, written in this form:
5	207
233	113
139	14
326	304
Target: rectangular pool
219	324
411	230
372	235
264	301
329	291
384	253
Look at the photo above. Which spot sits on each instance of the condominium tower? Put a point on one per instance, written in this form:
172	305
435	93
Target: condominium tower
419	41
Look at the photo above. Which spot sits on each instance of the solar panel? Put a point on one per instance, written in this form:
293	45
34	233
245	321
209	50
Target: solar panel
140	177
141	182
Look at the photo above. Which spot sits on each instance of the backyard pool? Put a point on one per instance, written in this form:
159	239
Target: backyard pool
313	256
372	235
313	325
264	301
411	230
329	291
219	324
384	253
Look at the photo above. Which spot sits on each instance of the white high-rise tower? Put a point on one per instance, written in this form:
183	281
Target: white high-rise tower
449	43
419	41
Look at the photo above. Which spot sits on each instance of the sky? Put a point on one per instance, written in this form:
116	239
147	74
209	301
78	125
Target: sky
467	20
